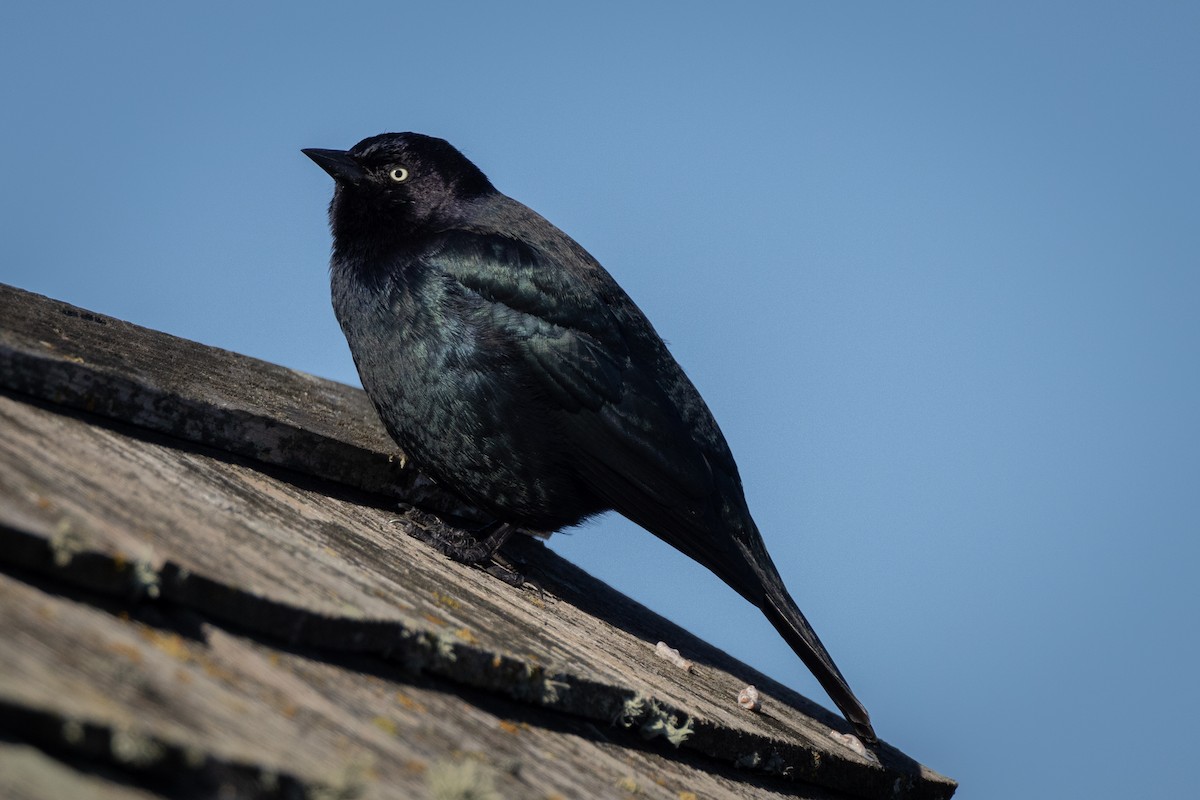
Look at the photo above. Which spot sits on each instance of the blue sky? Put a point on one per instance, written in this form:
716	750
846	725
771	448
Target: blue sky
934	266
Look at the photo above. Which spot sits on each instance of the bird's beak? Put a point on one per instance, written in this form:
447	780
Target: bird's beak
340	165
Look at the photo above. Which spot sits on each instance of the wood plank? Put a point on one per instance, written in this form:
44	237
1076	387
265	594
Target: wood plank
315	565
161	694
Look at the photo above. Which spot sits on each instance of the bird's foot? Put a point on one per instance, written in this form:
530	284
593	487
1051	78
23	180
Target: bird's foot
502	567
476	548
456	543
506	574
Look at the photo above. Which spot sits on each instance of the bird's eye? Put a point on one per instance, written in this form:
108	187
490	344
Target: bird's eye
398	174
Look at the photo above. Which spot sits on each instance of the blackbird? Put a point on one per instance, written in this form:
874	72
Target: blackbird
513	370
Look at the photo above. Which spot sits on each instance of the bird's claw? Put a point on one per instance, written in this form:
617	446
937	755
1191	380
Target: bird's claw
464	547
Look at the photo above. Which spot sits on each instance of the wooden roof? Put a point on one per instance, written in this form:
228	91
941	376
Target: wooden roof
204	588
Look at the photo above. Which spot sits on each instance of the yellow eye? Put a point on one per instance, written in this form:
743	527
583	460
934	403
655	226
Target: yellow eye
398	174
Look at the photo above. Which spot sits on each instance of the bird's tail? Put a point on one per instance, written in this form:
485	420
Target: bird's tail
778	607
794	628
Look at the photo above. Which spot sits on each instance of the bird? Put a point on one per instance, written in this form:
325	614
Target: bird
513	370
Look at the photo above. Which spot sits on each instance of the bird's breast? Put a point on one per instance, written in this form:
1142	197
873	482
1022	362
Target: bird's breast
453	392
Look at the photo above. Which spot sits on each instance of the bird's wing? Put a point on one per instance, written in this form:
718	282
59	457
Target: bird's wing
634	447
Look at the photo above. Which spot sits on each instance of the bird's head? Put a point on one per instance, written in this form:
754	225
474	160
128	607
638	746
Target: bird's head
403	182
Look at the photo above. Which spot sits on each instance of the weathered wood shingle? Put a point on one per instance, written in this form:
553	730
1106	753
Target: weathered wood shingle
203	581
